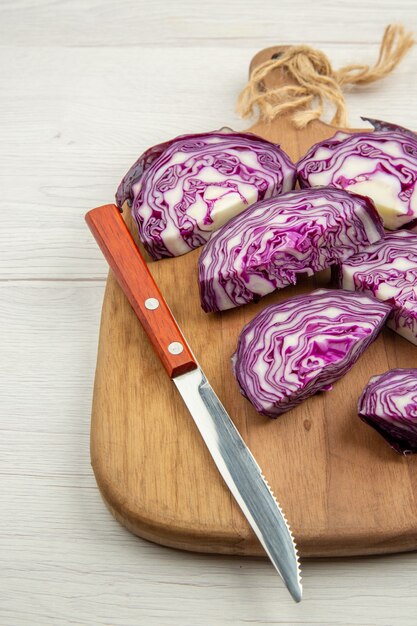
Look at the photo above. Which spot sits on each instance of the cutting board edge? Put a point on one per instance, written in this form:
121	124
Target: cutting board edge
184	538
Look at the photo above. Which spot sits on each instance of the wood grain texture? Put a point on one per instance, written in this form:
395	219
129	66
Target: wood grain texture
84	141
343	490
65	561
187	22
66	140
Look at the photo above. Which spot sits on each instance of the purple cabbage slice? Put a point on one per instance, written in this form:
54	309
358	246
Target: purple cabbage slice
181	190
380	164
381	125
293	349
389	404
388	270
271	243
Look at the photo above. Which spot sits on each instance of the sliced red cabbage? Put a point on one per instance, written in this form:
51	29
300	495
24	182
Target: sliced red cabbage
183	189
380	164
265	248
388	270
293	349
389	404
381	125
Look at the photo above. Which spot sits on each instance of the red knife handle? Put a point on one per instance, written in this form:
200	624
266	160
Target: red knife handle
138	285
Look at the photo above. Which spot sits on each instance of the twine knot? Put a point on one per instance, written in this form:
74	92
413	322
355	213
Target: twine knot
313	83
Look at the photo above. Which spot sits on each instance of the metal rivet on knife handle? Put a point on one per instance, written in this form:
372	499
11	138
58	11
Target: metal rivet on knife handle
175	347
151	304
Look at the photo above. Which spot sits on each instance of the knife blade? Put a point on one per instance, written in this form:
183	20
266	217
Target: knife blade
233	459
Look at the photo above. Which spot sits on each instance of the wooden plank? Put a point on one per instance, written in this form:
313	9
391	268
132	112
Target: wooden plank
65	561
184	22
66	144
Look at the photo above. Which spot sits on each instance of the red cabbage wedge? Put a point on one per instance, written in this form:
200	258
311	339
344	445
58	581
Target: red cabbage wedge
380	164
388	270
389	404
183	189
382	125
267	247
293	349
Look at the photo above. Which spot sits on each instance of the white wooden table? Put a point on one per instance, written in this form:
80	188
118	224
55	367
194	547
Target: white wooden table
85	86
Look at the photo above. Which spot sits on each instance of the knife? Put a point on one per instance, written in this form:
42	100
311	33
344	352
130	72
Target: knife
233	459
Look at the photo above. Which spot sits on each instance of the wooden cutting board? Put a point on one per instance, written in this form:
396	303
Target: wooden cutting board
344	491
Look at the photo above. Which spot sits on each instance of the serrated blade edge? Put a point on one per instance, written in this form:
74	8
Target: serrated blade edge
243	476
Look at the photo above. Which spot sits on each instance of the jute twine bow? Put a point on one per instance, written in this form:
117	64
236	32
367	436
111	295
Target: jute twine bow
316	83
